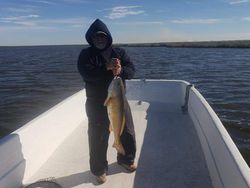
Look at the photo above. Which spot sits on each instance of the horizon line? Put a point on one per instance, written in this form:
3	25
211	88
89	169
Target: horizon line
129	43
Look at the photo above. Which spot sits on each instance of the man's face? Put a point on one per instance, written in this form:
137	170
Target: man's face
100	41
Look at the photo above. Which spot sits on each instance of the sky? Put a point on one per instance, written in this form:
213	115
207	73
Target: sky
58	22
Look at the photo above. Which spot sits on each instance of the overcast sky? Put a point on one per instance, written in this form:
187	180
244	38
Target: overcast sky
42	22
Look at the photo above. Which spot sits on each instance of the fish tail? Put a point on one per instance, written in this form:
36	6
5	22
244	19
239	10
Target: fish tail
110	128
106	102
119	148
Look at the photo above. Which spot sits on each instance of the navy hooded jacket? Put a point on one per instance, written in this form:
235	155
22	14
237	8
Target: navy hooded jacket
92	64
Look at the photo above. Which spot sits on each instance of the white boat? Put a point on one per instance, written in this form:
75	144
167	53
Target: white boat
177	146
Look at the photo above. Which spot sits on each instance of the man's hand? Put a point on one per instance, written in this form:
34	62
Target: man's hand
115	66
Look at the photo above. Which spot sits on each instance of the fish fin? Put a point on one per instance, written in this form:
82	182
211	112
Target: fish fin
125	108
110	128
123	123
106	102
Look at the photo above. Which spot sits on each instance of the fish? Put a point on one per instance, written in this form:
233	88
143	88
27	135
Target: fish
116	103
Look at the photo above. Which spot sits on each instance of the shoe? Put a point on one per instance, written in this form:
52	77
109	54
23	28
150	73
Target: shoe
130	168
101	179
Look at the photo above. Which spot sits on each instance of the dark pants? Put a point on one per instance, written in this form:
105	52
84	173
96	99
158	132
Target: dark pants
98	132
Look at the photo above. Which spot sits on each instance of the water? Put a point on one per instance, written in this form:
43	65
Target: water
33	79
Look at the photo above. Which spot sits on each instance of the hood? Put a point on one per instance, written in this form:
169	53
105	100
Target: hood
96	26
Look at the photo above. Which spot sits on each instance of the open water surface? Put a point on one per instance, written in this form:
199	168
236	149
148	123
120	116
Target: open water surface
35	78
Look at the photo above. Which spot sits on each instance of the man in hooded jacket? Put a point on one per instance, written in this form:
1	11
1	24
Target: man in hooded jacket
97	65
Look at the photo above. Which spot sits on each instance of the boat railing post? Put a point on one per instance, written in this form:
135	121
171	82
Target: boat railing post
143	80
185	106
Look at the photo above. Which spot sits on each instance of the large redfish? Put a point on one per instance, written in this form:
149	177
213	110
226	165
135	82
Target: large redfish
116	103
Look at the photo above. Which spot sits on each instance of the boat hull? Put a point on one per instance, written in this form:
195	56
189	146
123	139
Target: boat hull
202	145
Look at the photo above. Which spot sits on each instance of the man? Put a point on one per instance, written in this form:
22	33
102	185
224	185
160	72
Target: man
98	64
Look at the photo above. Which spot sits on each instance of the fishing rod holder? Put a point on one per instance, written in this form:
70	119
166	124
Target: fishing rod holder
185	106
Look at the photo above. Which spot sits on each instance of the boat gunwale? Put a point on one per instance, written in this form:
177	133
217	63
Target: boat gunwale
228	142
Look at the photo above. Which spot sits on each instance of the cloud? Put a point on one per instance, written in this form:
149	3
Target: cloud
41	2
238	2
246	19
24	9
58	1
71	21
123	11
26	28
35	20
139	23
197	21
13	18
77	1
20	20
25	23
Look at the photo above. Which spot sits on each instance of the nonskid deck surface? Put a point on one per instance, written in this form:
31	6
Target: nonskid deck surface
168	154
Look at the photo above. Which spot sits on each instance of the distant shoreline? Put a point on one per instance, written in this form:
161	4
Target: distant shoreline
195	44
200	44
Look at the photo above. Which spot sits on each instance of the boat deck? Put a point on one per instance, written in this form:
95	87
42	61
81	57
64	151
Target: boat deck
169	154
